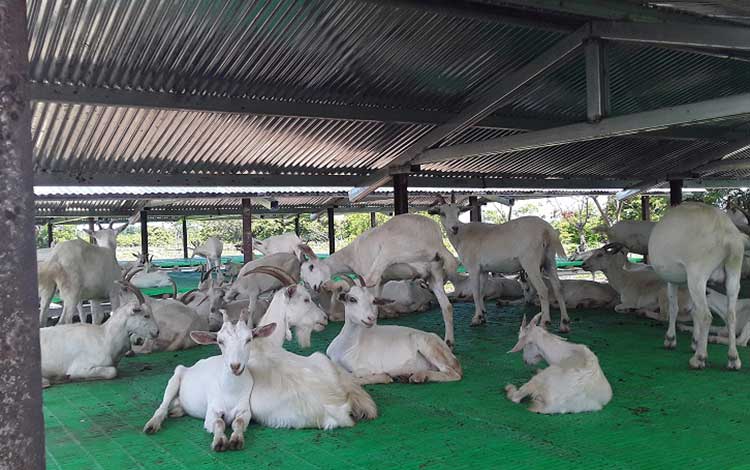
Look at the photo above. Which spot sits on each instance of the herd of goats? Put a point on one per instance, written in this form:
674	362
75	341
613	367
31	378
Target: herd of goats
400	266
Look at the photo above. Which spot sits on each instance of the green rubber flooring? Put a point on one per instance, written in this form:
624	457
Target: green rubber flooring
663	415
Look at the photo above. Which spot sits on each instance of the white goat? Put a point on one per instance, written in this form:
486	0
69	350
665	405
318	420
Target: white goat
251	287
210	249
284	243
691	244
640	291
527	243
379	353
91	352
573	383
80	270
633	234
493	288
409	296
216	389
718	302
408	246
293	391
578	293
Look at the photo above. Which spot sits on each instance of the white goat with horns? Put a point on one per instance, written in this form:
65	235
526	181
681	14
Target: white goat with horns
408	246
573	383
527	243
379	353
80	270
293	391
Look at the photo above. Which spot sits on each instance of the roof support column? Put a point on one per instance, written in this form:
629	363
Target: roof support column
50	235
475	213
247	230
675	192
144	233
90	221
331	232
645	208
296	224
597	80
184	238
401	194
22	438
373	219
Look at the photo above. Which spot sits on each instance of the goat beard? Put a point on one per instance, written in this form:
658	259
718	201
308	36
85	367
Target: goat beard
303	336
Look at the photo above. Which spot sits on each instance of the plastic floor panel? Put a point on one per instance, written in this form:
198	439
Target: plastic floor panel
663	415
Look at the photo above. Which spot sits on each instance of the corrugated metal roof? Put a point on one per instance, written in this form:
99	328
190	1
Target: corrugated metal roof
735	11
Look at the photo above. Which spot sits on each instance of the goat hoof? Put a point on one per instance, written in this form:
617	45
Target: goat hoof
670	342
478	320
697	362
236	442
510	389
418	378
734	363
152	427
546	324
220	444
564	328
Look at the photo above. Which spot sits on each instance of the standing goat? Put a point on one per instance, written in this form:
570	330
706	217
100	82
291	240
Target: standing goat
408	246
691	244
90	352
216	389
284	243
80	270
573	383
633	234
378	353
527	243
210	249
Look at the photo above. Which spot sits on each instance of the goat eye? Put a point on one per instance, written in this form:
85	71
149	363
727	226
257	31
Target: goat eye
147	316
311	267
248	340
352	300
307	301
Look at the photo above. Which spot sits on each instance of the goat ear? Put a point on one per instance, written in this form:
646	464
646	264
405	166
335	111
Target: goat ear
291	290
523	322
380	301
224	316
203	337
263	331
244	315
121	228
535	321
519	346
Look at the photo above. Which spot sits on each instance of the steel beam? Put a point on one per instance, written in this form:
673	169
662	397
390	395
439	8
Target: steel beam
598	102
184	238
646	121
400	194
675	192
331	232
724	165
22	430
169	101
675	34
499	95
144	232
247	230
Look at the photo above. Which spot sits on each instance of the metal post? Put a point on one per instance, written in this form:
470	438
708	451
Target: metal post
184	238
373	219
331	232
50	235
22	432
675	192
92	240
645	207
476	209
296	225
401	193
510	212
247	230
144	233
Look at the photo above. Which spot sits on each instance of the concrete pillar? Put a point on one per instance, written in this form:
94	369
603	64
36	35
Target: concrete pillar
144	233
401	194
184	238
373	219
247	230
476	209
675	192
22	431
331	232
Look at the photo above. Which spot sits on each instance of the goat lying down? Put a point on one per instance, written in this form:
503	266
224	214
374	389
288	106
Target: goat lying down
717	303
494	287
578	293
379	353
573	383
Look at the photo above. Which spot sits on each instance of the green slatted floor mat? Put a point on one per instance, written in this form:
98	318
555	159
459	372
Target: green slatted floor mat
663	415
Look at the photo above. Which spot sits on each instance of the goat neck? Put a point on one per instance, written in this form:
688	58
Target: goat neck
116	335
276	313
554	349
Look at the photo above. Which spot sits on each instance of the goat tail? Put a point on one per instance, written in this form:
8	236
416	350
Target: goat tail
363	406
556	244
46	278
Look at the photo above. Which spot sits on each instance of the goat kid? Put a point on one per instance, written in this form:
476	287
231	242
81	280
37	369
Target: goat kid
573	383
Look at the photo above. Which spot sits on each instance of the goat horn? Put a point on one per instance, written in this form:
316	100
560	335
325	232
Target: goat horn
273	271
362	280
111	223
308	251
207	274
184	296
137	292
100	226
132	273
174	288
